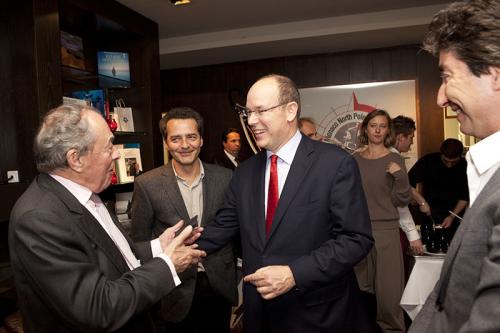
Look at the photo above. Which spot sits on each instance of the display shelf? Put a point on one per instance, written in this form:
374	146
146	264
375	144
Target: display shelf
80	79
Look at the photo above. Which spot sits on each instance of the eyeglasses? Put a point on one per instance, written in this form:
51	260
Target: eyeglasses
246	112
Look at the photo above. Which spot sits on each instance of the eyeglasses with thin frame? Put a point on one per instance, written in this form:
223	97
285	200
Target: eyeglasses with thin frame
246	112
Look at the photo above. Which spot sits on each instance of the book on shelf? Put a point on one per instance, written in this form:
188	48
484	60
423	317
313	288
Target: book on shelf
70	100
94	98
129	165
122	206
72	50
113	65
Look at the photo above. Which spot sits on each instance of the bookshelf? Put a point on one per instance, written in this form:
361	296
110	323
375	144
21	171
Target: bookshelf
36	80
108	26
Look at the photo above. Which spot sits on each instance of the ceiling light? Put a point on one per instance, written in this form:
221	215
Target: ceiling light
180	2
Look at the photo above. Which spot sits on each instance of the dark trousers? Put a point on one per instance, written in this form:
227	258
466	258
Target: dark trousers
209	311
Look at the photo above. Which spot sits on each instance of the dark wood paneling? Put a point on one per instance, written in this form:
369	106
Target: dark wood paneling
190	87
430	118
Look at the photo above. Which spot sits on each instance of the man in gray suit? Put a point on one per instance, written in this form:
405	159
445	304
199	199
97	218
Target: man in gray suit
187	189
75	270
466	36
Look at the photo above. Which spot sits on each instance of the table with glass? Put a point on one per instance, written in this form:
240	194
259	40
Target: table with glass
423	278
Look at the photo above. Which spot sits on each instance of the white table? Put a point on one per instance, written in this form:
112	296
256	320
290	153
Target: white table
422	279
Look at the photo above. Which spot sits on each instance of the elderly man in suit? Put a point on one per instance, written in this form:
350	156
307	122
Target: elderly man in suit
188	189
74	268
466	36
300	210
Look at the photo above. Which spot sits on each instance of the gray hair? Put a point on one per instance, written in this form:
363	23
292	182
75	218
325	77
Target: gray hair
62	129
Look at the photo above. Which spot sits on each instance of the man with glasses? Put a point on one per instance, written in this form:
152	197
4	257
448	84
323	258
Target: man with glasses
442	180
300	210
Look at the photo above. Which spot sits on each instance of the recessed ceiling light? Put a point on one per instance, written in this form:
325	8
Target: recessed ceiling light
180	2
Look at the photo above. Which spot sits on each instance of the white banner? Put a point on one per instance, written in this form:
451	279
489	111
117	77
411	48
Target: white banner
339	110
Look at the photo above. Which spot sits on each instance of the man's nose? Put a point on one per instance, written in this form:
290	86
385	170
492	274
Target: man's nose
442	100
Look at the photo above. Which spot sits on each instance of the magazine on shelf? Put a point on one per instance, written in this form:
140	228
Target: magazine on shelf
129	165
72	51
94	98
113	65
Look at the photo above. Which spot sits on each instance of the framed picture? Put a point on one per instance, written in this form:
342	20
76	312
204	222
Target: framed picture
449	113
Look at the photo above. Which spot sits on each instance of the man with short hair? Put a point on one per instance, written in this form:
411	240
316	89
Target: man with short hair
466	37
442	178
301	213
404	132
307	126
187	189
75	270
231	144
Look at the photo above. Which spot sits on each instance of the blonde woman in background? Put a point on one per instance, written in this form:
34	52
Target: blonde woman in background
386	187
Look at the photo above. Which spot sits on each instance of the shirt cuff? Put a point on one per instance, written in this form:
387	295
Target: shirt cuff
158	253
412	235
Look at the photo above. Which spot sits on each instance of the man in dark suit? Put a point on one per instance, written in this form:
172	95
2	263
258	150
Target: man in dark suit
74	269
188	189
300	210
231	144
466	37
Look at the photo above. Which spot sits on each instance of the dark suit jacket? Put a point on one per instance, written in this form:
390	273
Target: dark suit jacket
70	276
157	204
469	285
321	229
224	161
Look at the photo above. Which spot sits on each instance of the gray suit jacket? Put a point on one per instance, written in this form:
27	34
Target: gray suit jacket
469	287
157	204
70	276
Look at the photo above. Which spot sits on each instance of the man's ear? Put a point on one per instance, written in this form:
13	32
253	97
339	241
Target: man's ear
291	110
74	161
495	72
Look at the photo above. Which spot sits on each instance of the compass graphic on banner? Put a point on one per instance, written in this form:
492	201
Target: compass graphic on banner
341	125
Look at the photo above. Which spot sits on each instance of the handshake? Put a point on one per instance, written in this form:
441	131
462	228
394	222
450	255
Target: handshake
181	248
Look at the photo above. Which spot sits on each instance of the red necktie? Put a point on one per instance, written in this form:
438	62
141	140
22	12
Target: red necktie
272	193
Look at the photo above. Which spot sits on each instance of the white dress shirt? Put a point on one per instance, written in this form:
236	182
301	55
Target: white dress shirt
483	160
101	214
406	222
285	157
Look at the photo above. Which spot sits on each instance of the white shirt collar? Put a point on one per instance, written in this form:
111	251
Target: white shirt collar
485	154
80	192
287	152
231	157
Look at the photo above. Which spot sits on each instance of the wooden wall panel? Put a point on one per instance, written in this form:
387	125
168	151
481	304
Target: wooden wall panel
205	88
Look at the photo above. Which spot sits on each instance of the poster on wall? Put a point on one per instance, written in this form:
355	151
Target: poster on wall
339	110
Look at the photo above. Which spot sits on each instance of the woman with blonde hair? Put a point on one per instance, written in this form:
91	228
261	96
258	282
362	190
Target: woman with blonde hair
386	187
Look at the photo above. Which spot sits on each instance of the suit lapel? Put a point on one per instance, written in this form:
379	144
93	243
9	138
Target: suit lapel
86	222
208	197
298	170
171	190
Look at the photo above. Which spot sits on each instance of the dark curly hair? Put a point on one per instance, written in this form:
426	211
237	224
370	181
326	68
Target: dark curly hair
469	29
